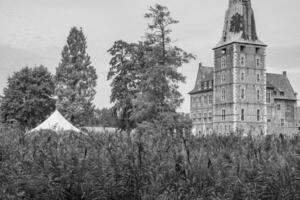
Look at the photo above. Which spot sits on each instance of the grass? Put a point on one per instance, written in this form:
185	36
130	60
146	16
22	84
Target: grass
112	166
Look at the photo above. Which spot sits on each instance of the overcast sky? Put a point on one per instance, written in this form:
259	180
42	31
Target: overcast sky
33	32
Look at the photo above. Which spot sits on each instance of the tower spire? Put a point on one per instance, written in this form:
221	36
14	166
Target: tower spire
239	25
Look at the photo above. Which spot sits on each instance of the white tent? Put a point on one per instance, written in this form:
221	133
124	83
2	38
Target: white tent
56	122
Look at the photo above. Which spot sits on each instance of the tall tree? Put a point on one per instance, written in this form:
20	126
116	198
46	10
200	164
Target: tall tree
76	80
27	98
145	75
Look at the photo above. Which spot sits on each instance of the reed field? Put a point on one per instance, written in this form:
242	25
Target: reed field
113	166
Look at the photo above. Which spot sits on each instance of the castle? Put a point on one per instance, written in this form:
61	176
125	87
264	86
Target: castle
237	94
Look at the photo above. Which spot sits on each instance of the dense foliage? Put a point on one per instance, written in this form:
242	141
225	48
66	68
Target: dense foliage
76	80
145	74
105	117
27	98
109	166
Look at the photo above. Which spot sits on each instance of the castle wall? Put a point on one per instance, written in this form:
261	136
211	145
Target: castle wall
202	112
281	116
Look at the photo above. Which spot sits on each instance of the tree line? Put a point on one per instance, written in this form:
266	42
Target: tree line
144	79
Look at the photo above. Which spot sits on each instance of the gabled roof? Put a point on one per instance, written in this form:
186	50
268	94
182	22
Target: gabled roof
204	74
281	83
57	123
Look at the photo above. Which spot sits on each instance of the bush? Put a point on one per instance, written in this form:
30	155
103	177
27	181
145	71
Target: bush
114	166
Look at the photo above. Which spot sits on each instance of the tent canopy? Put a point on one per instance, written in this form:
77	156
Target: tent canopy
56	122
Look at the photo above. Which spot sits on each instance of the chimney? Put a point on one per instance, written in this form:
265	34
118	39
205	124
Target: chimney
284	73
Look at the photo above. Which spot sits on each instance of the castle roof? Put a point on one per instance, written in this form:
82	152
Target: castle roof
204	74
278	82
239	25
281	83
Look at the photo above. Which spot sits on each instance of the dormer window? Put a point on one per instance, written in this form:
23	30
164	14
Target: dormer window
205	85
243	60
210	84
202	86
224	51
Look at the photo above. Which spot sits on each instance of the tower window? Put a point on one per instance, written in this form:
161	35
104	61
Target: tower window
257	61
258	115
243	60
223	94
223	77
223	115
242	76
242	115
258	78
223	62
243	93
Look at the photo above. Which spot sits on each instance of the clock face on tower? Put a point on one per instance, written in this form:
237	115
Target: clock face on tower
236	23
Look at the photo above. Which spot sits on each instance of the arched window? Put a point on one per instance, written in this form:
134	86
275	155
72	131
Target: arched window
258	94
223	95
258	115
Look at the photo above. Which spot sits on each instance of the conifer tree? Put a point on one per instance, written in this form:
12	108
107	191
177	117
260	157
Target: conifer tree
76	80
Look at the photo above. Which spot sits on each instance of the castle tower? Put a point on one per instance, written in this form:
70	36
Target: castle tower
239	73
